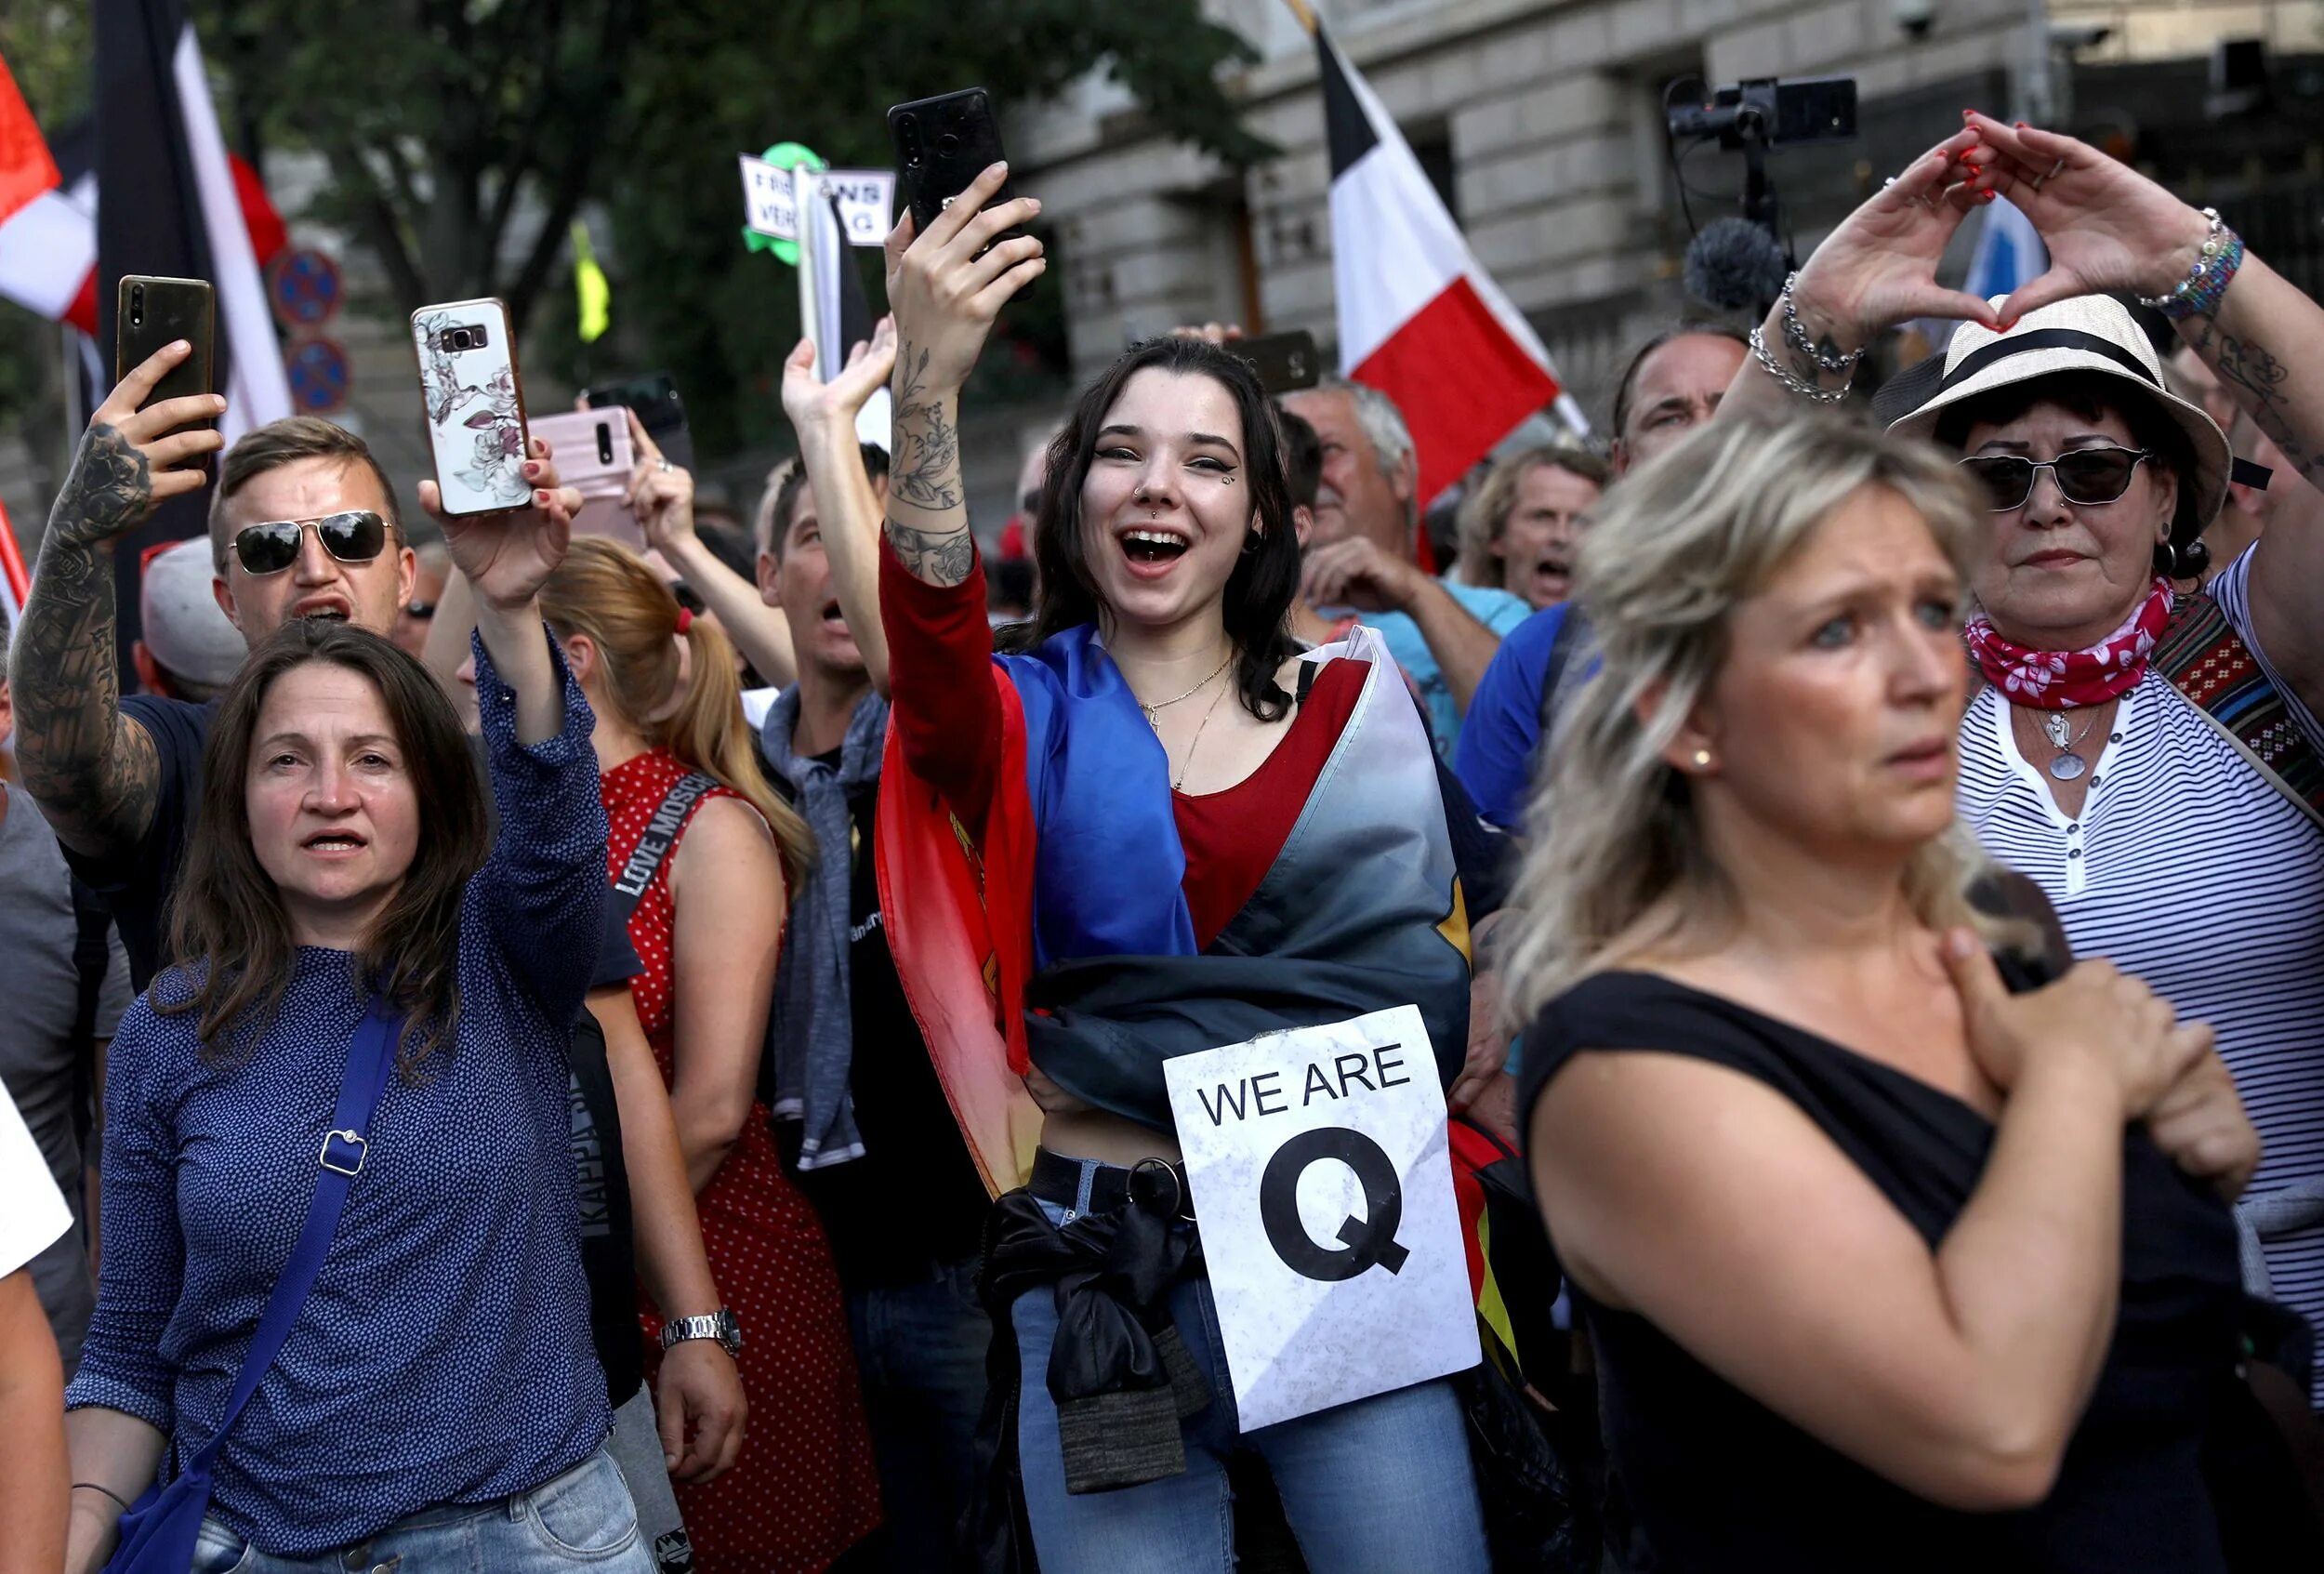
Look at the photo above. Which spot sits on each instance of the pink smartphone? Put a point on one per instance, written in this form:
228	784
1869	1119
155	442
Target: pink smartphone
474	401
592	453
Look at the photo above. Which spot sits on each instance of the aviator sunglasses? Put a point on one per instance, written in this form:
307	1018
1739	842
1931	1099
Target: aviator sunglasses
2087	476
354	535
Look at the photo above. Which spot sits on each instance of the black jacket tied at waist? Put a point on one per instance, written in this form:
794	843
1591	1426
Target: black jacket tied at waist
1121	1375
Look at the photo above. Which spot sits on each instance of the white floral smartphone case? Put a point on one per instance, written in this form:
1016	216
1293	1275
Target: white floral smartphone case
475	405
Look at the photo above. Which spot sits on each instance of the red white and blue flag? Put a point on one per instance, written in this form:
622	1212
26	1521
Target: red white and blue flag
1419	319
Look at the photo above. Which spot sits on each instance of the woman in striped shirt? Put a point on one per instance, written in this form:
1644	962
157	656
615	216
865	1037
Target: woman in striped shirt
2151	756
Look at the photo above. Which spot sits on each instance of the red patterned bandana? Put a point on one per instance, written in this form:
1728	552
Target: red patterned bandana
2064	680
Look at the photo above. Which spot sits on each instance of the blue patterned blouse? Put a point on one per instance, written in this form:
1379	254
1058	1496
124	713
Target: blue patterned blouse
444	1354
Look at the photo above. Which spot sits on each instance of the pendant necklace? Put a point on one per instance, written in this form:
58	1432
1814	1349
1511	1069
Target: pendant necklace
1154	711
2067	765
1188	764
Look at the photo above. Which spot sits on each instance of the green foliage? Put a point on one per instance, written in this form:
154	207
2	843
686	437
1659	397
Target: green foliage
463	135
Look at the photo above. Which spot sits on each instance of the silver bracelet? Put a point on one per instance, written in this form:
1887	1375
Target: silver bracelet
1791	381
1795	334
2216	263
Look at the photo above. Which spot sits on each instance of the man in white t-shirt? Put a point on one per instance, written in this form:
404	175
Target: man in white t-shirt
33	1491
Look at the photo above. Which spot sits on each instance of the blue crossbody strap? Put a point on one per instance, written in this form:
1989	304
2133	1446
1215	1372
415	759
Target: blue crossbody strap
370	1058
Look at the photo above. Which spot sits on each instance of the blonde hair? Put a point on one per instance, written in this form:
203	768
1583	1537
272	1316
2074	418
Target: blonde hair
1616	854
604	590
1484	513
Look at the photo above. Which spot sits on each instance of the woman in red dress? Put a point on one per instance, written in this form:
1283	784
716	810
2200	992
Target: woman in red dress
708	925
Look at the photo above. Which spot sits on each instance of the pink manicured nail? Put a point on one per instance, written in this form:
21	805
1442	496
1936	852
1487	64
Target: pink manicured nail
540	499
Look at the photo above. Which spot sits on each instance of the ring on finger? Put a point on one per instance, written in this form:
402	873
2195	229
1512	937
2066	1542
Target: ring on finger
2049	174
664	464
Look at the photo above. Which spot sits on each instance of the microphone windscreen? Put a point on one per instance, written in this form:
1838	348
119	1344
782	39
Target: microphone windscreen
1734	264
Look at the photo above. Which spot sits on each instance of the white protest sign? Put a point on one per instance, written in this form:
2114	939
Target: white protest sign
1323	1181
867	201
768	206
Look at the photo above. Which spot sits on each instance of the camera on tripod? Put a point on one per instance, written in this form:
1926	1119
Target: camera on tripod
1768	113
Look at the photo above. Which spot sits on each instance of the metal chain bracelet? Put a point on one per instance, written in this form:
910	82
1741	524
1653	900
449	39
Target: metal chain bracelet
2206	281
1795	334
1791	382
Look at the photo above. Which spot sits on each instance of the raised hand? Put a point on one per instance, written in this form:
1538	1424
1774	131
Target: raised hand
2107	227
131	460
508	557
663	494
1355	572
1878	268
947	285
809	400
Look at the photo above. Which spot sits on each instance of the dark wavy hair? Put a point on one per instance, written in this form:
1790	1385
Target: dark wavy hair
1266	576
228	935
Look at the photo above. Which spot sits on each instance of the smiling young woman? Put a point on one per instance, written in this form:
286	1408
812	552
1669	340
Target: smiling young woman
1129	784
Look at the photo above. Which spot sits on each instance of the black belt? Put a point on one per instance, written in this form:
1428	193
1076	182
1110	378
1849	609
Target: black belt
1155	1185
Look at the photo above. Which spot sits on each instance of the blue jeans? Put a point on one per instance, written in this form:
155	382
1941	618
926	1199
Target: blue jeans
920	1349
1382	1486
581	1519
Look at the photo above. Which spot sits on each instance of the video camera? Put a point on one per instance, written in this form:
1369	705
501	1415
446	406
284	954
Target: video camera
1767	113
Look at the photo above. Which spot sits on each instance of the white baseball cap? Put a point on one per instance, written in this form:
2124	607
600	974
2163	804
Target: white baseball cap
183	628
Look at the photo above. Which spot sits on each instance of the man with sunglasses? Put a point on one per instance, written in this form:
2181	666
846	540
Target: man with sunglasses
302	525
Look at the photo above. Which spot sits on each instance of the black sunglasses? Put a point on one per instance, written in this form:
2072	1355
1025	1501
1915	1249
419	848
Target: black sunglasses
2087	475
355	536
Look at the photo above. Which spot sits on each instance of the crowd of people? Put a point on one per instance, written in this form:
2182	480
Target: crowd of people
529	1053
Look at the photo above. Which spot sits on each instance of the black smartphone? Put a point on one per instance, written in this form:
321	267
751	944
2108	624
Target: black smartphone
941	144
1284	362
149	312
654	395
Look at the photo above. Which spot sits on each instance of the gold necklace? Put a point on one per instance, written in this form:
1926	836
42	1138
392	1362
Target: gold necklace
1153	711
1188	764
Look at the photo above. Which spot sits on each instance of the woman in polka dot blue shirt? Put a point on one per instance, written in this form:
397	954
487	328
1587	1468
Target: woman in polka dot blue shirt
438	1403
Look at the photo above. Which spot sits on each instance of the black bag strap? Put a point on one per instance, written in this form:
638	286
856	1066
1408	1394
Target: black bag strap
91	957
660	836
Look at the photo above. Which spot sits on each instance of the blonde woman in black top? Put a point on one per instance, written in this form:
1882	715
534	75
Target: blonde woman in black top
1874	1275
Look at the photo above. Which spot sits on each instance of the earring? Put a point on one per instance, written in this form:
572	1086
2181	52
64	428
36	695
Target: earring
2167	560
1252	541
1701	761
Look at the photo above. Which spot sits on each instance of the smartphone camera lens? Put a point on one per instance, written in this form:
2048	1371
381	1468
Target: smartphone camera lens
947	143
604	443
136	306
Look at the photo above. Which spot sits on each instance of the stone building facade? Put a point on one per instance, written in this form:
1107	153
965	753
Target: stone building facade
1541	121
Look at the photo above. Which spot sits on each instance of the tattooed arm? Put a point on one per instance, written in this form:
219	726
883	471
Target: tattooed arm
94	772
946	287
2267	343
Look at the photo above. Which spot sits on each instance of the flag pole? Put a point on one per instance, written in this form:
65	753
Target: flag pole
1306	14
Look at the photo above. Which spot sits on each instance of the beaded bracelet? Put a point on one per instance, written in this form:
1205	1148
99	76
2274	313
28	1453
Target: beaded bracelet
2206	284
1792	380
1795	334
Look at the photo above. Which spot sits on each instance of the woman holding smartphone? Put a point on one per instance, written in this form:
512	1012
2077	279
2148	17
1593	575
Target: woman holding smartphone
1130	786
436	1401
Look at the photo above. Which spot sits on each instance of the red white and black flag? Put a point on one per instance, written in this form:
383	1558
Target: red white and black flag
1419	319
168	202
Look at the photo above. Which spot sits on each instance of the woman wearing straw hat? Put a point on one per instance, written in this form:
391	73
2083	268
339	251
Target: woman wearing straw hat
2152	757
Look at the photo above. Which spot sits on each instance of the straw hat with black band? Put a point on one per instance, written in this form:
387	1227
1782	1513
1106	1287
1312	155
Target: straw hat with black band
2088	334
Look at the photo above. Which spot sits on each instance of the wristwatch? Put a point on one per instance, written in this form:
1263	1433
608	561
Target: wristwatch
718	1325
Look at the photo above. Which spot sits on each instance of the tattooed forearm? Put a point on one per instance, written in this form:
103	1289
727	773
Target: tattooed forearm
938	557
109	490
94	774
2259	381
927	469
